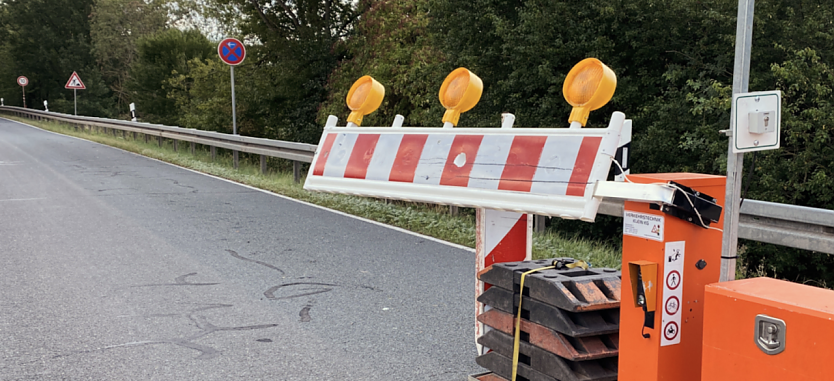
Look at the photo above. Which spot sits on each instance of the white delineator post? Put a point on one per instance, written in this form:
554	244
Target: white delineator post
133	112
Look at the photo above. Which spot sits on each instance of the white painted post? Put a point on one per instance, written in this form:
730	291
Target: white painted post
45	106
133	112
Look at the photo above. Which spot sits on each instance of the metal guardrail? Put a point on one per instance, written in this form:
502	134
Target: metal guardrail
781	224
296	152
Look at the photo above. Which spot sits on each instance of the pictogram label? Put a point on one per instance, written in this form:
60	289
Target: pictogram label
673	260
643	225
673	305
671	331
673	280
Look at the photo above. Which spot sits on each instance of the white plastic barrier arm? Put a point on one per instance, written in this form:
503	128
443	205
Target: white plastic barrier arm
544	171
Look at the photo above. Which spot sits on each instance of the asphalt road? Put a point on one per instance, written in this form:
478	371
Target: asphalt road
118	267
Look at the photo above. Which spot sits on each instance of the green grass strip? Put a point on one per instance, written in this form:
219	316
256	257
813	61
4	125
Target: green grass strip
431	220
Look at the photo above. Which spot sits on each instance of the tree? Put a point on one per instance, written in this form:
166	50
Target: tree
294	46
392	43
160	57
116	26
48	40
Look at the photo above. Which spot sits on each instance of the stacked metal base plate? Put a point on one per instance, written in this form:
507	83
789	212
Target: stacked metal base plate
569	322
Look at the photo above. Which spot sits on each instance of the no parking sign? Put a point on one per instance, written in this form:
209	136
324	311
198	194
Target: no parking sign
232	52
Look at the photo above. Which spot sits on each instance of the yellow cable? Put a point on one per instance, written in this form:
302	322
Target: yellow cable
582	264
518	318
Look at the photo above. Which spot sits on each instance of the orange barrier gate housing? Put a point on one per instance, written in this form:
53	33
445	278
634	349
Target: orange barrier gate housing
768	329
661	319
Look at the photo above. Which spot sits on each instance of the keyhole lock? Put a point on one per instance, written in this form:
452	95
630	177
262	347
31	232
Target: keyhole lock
770	334
766	119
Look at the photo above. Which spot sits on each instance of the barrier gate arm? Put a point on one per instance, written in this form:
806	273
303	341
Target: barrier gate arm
545	171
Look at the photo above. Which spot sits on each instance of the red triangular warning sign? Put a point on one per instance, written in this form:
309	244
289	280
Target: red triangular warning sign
75	82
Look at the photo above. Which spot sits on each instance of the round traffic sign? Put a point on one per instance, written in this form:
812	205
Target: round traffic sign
22	81
231	51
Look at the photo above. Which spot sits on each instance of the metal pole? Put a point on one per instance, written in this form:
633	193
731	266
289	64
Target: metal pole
234	117
75	98
23	88
735	162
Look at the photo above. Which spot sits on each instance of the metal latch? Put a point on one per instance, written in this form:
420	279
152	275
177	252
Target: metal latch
770	334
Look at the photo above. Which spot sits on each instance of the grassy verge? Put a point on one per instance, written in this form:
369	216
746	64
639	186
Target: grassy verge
431	220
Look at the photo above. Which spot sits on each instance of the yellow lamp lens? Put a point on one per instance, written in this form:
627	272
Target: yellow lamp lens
358	97
460	92
364	97
584	85
588	86
455	91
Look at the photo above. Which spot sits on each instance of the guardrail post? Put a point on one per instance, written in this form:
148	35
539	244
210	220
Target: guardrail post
538	223
263	164
134	135
146	138
159	141
192	148
454	211
175	145
235	158
296	171
213	152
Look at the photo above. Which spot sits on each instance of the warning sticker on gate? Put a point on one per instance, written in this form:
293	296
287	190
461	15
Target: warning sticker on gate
673	259
643	225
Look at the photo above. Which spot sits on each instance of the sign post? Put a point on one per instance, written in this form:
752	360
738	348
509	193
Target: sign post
735	161
75	84
23	81
232	52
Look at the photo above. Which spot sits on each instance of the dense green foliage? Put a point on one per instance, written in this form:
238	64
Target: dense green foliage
673	59
160	56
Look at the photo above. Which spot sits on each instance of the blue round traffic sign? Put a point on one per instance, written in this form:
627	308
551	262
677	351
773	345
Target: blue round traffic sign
231	51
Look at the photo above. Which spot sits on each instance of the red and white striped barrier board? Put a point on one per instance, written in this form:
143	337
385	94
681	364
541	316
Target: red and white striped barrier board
500	237
545	171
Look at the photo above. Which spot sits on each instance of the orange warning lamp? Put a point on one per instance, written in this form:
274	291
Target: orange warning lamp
364	97
588	86
461	90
